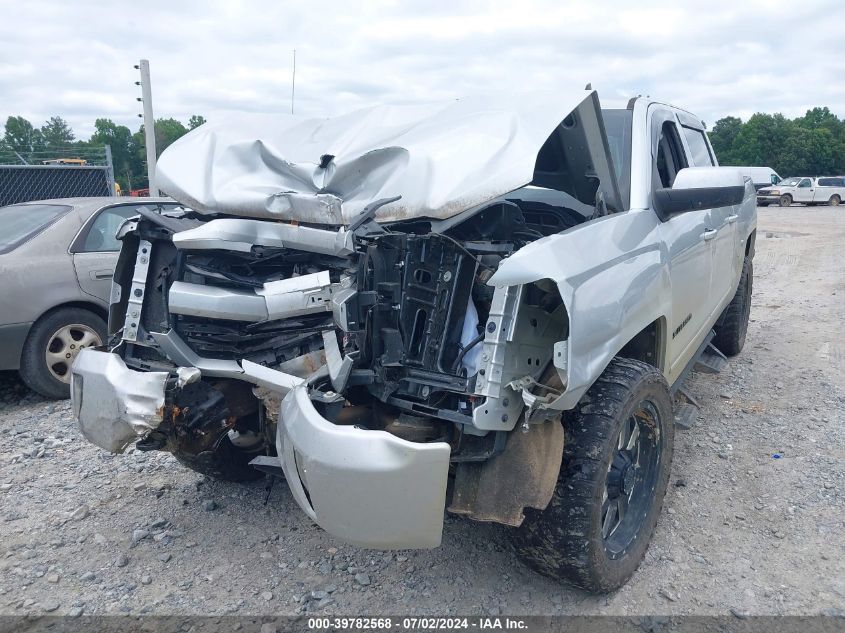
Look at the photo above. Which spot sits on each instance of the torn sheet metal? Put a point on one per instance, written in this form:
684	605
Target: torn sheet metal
442	158
119	404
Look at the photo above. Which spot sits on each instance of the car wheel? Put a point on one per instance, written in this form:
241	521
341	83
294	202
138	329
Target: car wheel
834	201
616	464
732	325
785	200
52	345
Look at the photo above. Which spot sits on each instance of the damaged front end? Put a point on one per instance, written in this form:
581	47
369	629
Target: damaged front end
369	359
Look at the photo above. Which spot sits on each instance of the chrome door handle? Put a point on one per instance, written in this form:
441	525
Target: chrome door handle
709	234
101	274
732	219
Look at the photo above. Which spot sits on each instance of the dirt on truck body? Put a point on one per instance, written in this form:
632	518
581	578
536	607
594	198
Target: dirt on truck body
478	306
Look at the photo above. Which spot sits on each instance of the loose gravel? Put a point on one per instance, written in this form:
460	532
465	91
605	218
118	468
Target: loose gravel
752	523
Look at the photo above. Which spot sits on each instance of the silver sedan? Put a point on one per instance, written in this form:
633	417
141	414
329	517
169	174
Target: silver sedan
57	259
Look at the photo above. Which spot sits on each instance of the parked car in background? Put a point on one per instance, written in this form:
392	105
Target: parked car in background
57	258
760	176
806	190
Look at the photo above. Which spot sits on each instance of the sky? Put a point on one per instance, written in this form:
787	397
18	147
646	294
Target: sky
216	58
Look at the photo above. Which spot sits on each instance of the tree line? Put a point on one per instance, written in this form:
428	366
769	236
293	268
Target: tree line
812	145
23	143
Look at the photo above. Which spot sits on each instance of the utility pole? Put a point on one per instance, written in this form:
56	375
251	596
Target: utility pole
149	124
110	170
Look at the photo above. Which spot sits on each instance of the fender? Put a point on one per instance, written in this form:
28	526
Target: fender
612	274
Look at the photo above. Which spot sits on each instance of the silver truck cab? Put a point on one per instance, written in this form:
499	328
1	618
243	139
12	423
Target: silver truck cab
401	309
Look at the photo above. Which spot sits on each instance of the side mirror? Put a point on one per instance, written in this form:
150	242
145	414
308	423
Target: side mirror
697	188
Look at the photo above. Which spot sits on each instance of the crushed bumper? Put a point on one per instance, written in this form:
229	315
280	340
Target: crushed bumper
369	488
114	405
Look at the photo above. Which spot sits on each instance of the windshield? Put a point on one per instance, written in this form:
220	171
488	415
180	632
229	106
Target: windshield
789	182
21	222
617	126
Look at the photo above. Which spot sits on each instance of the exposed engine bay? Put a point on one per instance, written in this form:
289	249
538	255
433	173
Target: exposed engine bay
397	312
348	332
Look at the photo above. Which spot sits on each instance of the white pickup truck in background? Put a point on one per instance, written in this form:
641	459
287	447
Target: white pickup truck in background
829	190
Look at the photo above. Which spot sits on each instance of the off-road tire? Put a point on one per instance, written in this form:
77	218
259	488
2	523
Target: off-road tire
226	463
785	200
33	367
834	201
732	325
565	540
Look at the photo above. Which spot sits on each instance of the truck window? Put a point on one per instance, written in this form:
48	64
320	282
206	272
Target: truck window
804	184
670	154
617	125
698	146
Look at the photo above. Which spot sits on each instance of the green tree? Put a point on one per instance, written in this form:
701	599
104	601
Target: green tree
722	138
56	132
761	141
812	145
7	156
820	118
808	152
167	132
128	169
21	137
195	121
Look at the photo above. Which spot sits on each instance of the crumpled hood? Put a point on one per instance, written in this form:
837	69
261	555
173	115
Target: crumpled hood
441	158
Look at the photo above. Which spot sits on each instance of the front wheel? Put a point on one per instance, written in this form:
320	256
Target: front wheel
616	464
785	200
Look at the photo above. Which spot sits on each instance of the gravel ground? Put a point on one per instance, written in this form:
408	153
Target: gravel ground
752	524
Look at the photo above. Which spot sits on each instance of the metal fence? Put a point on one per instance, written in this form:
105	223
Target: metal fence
23	183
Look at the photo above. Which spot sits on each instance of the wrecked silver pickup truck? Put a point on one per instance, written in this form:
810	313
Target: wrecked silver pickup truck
483	306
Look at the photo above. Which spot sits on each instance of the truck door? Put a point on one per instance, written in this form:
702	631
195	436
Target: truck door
688	252
726	252
95	250
804	191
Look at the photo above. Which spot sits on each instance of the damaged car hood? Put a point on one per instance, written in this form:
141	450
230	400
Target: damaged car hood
440	158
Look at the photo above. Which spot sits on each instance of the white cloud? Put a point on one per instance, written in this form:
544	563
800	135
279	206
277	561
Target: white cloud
75	59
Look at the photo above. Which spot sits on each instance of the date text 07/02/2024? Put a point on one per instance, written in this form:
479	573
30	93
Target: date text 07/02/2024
418	623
